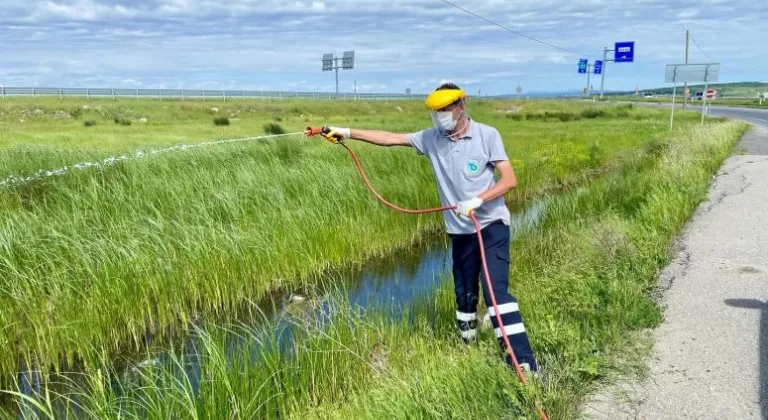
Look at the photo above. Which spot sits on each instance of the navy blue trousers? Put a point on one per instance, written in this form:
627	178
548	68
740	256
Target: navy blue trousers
467	272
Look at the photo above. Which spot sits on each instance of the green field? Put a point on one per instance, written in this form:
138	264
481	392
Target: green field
93	258
751	103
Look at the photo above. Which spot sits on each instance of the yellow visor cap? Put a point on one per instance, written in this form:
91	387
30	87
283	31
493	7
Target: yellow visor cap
442	98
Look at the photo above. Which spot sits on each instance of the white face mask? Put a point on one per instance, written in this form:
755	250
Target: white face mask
445	120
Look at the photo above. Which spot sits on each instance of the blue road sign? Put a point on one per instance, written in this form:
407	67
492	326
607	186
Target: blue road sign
583	65
598	66
624	52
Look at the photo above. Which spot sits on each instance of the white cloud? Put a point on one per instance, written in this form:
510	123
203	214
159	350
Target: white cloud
81	10
399	43
372	87
688	14
131	82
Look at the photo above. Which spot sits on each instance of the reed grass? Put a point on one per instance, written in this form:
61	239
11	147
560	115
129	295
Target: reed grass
584	277
91	260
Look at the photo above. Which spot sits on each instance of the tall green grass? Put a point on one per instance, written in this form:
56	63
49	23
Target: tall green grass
584	278
90	260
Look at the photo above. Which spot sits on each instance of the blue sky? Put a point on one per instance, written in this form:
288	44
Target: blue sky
278	44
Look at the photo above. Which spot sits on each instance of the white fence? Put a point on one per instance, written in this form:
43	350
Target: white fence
203	94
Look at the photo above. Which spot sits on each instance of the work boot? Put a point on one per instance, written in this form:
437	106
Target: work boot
526	368
467	326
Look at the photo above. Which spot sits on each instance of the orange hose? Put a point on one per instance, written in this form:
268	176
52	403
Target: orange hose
382	199
492	295
487	276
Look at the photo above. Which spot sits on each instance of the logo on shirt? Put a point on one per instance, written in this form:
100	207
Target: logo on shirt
473	166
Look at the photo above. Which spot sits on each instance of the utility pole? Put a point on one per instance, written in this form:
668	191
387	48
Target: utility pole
685	89
590	69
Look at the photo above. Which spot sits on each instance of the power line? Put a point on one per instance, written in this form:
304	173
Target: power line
514	31
699	47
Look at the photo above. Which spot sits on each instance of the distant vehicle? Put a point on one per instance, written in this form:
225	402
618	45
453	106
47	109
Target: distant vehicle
648	95
699	96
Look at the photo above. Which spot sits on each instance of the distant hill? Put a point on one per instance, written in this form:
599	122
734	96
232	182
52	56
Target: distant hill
547	94
738	89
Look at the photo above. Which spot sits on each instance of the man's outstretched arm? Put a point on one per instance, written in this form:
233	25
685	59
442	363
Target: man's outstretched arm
377	137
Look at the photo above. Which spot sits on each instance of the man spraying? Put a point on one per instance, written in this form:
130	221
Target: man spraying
464	154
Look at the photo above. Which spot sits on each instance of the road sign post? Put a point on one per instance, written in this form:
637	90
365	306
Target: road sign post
583	63
598	69
708	94
624	52
690	73
584	68
602	71
674	91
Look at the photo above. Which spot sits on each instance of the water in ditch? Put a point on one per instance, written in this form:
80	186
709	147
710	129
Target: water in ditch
392	284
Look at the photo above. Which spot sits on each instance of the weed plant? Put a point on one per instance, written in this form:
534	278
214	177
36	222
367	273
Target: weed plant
273	128
120	120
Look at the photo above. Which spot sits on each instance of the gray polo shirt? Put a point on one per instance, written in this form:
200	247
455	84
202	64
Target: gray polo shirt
463	169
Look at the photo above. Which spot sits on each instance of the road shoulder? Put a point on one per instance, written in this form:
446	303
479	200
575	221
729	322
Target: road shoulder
710	355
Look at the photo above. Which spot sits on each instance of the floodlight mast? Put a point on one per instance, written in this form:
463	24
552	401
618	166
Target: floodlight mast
332	63
336	66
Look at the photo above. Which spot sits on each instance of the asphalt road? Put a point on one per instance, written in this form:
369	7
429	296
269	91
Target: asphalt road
753	115
710	356
755	144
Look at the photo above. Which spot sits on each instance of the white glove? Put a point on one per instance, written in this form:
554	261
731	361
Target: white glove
336	132
465	208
